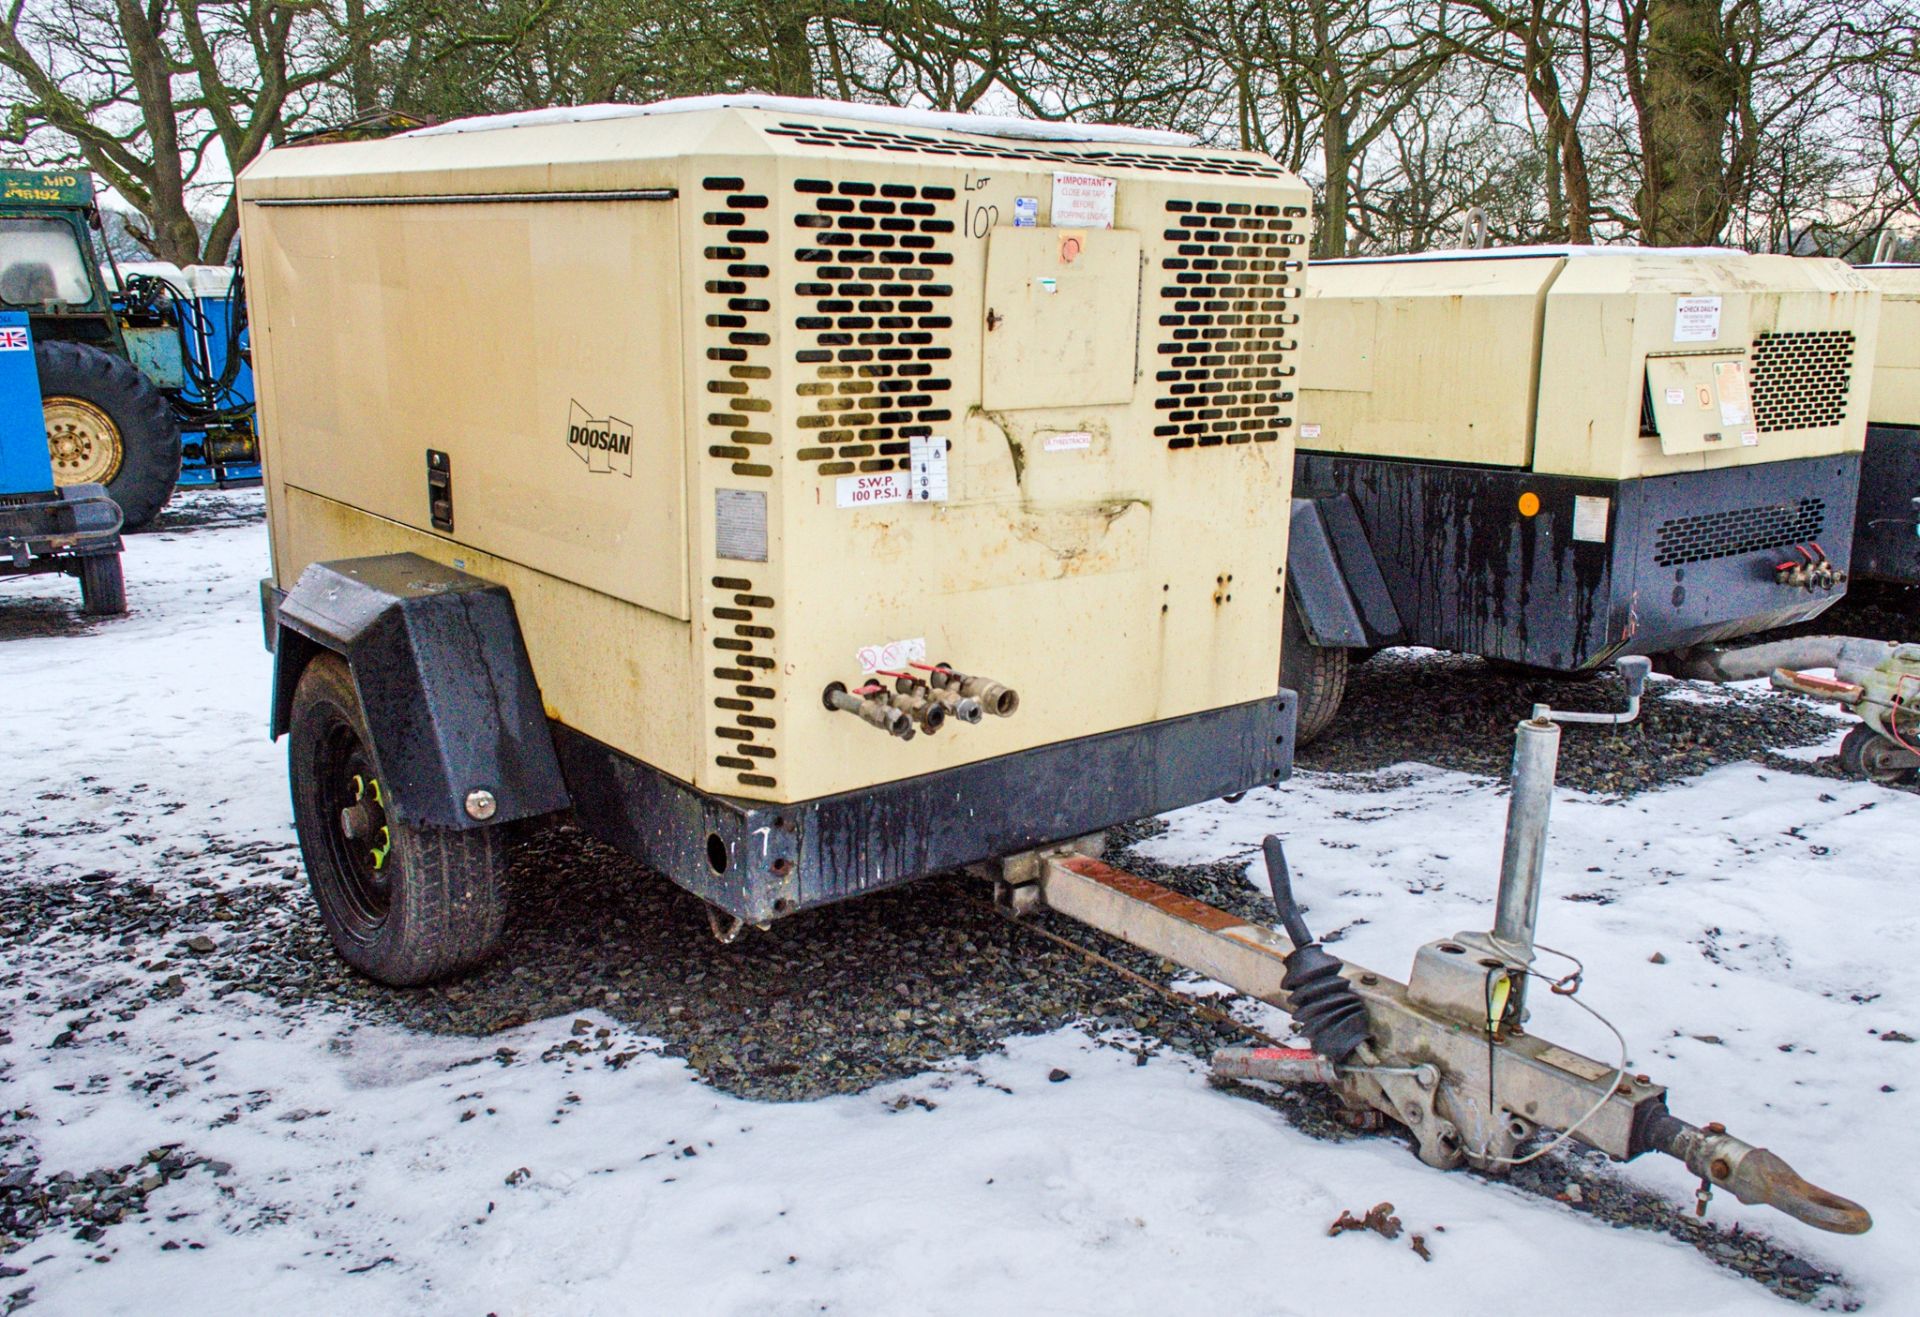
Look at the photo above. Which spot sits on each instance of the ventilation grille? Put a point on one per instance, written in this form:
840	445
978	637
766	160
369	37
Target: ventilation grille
1224	344
971	148
738	316
875	320
740	324
744	666
1741	530
1801	378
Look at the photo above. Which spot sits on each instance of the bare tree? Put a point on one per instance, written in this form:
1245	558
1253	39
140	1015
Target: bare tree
169	98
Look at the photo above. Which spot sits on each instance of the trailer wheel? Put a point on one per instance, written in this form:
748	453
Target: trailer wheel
108	425
103	587
1316	673
404	905
1868	755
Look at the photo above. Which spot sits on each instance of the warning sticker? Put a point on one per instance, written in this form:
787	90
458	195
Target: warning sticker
1730	381
1026	212
1309	432
1590	518
893	655
1749	438
928	457
1696	320
1676	397
1083	201
740	524
1068	441
871	489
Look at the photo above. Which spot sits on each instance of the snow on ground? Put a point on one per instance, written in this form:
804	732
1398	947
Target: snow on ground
371	1166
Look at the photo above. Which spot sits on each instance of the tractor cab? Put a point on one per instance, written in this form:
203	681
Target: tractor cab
48	266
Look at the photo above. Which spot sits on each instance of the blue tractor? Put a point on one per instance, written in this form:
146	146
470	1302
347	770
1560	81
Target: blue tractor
129	367
74	528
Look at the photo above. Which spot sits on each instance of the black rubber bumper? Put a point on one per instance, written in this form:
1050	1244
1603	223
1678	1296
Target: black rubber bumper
762	861
1661	563
1886	535
45	532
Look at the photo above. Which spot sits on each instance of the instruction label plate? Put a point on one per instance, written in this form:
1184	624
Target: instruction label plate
740	524
1575	1064
1590	518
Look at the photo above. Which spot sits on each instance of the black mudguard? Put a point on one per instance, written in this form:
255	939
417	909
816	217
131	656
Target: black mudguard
1334	579
443	677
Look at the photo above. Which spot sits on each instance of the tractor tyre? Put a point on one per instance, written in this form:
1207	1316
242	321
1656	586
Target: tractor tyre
103	587
1316	673
107	424
404	905
1867	755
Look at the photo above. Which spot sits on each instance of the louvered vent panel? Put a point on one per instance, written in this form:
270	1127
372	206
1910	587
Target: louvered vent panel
1736	531
874	318
738	314
1801	378
1226	344
744	669
1090	156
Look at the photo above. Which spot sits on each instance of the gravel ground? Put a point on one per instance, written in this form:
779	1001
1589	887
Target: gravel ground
1458	712
1870	608
898	981
894	982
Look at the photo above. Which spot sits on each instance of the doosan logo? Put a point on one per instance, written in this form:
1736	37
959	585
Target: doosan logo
604	443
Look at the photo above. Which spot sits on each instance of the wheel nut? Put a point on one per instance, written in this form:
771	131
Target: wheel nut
481	805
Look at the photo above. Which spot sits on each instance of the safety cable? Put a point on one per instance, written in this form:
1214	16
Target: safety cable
1567	986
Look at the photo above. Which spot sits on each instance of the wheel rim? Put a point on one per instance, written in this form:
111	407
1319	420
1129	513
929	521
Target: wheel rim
83	442
358	832
1885	763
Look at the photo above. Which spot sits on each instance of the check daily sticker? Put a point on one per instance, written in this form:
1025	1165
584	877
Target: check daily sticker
1696	320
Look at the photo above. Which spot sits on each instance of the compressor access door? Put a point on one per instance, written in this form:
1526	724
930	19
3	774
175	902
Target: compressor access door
532	339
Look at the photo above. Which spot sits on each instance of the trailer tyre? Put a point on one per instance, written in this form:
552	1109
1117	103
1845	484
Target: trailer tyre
1316	673
1866	754
108	425
404	905
103	587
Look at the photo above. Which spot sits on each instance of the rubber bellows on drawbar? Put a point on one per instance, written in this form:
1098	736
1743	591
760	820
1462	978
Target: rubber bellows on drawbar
1325	1004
